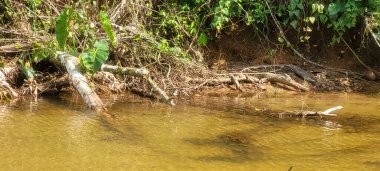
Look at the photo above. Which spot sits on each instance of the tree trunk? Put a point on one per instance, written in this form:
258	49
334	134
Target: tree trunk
79	81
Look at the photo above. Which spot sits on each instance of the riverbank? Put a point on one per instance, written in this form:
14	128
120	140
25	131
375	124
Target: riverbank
143	47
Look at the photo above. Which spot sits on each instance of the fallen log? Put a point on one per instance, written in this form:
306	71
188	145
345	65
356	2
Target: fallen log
79	81
298	71
3	81
140	72
16	47
276	78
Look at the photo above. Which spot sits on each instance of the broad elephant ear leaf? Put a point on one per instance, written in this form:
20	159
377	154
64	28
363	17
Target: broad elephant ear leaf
94	58
106	24
61	28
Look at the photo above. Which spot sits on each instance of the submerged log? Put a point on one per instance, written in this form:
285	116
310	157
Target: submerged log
312	113
4	84
79	81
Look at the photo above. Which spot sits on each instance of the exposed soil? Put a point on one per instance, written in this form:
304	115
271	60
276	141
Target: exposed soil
243	48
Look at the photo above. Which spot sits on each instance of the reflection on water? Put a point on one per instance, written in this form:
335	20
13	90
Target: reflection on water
214	133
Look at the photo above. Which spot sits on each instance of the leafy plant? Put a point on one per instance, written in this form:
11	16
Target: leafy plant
94	54
94	58
106	24
61	27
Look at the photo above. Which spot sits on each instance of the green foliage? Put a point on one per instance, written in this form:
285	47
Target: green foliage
61	27
94	58
202	40
73	25
302	15
344	16
27	70
106	24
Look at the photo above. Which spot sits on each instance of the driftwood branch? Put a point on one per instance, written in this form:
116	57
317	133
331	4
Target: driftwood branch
140	72
79	81
312	113
252	78
3	81
125	70
236	82
321	113
277	78
16	47
307	76
369	29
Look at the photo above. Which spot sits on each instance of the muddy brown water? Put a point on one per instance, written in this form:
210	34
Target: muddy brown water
208	133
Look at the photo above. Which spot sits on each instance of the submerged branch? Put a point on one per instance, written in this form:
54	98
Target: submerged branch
312	113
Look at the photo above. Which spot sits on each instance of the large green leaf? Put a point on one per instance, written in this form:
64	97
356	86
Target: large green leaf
94	58
202	40
61	28
106	24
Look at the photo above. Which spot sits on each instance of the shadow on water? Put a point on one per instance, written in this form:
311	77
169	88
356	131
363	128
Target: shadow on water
125	135
238	147
375	164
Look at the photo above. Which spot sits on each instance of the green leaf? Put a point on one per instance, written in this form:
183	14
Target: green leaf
314	7
202	40
333	9
94	58
106	24
294	23
36	2
280	39
27	70
323	18
312	20
61	28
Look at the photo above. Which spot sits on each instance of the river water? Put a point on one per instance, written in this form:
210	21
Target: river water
205	133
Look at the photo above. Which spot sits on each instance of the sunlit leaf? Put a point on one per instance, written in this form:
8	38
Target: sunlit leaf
61	28
312	20
94	58
202	40
106	24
